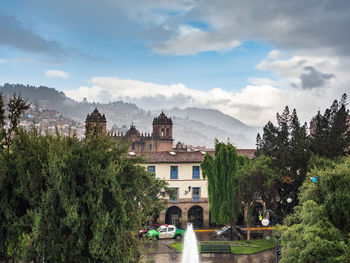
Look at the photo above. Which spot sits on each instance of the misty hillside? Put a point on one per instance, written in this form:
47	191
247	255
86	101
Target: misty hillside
212	117
193	126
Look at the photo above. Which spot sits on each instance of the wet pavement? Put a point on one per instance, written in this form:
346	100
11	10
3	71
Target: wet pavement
158	252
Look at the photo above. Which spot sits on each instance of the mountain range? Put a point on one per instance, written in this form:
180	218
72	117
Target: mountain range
192	126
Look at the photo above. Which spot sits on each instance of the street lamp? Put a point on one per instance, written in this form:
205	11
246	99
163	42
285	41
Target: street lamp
278	251
187	191
277	198
265	222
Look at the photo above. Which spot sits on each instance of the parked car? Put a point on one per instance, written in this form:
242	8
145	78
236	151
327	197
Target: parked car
166	231
226	232
142	233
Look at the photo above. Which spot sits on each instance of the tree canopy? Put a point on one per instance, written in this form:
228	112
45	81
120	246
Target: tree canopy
256	179
235	182
67	200
318	231
331	137
288	146
222	172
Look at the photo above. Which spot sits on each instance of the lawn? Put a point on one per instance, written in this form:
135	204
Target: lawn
238	247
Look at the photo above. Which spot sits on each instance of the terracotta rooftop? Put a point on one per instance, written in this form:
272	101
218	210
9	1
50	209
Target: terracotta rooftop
186	157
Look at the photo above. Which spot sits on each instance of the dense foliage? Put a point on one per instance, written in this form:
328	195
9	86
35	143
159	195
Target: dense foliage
288	146
256	180
318	231
235	183
332	134
222	173
67	200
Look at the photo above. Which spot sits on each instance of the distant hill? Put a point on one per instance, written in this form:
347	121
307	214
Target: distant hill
214	118
193	126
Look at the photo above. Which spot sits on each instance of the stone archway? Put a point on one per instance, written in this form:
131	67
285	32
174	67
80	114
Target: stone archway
173	216
195	216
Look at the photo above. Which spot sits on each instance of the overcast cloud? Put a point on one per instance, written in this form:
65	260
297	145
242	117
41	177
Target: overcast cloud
307	70
314	78
255	105
296	25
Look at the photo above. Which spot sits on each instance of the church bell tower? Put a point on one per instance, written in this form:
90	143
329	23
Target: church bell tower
95	123
163	133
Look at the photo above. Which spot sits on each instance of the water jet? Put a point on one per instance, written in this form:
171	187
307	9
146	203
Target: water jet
190	247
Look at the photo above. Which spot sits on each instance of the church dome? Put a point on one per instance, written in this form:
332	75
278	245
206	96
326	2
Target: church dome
132	132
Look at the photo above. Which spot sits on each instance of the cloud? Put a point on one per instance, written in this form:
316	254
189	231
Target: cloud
314	25
16	35
56	74
291	71
202	41
295	25
314	78
274	54
2	60
256	104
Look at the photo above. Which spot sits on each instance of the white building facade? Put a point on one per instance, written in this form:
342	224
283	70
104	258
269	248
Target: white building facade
182	172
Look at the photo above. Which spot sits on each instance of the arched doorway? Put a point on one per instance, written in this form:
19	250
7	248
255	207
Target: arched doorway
173	215
195	216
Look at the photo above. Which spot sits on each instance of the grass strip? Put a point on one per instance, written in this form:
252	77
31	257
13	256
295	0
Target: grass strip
238	247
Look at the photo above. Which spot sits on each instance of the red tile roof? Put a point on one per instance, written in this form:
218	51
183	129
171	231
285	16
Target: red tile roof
247	152
186	157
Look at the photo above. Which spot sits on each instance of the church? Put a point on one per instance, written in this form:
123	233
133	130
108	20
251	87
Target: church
178	166
161	139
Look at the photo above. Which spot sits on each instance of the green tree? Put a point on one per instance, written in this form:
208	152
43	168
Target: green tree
257	177
332	191
222	172
332	134
67	200
288	146
318	231
12	204
310	237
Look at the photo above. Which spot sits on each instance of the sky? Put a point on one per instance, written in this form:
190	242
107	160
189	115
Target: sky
248	59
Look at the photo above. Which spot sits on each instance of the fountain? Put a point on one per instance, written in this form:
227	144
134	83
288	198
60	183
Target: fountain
190	248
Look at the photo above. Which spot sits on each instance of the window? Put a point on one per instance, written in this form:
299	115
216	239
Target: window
174	196
173	172
167	132
162	132
152	169
150	147
133	146
195	172
195	193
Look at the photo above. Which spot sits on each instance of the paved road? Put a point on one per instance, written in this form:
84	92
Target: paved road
159	252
